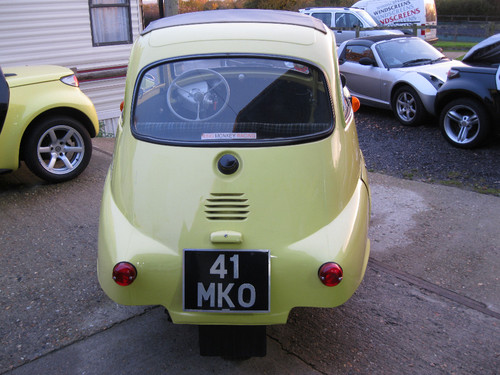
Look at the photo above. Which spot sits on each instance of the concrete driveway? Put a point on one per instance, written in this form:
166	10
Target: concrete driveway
429	303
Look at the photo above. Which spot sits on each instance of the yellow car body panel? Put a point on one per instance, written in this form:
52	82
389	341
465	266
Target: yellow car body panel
307	203
31	99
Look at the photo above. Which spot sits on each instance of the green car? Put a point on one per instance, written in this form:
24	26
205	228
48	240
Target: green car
237	189
46	121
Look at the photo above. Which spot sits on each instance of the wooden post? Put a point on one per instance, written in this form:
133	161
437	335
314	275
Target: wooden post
491	29
171	7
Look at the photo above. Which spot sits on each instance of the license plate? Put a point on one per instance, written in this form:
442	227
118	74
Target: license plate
226	280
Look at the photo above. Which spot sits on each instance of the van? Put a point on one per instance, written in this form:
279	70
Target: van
347	18
403	12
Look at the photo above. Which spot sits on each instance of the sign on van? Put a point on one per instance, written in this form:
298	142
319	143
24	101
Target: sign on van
403	12
397	11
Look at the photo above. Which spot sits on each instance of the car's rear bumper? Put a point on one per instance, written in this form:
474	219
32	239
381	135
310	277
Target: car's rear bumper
293	272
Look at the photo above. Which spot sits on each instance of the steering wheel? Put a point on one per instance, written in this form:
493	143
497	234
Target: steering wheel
198	95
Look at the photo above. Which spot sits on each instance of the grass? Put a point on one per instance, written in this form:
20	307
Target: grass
453	179
454	46
454	183
448	46
102	133
410	175
456	179
486	190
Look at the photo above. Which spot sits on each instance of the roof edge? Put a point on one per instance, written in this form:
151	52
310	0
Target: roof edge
282	17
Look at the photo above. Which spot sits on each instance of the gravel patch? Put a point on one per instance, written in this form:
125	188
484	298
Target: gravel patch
421	153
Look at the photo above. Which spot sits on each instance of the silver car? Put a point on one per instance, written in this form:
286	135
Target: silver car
402	73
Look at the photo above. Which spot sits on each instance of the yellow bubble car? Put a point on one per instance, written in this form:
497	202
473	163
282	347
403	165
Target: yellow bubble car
237	189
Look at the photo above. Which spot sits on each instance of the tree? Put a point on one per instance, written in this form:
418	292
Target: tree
271	4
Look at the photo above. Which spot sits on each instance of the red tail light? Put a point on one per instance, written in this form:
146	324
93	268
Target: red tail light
124	273
330	274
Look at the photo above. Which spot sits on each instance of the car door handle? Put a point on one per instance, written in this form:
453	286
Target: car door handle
226	236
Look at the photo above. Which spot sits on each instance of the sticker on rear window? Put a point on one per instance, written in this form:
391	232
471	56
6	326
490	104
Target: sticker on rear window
206	136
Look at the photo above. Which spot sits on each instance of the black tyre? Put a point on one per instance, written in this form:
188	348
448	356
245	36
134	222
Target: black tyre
464	123
407	106
57	149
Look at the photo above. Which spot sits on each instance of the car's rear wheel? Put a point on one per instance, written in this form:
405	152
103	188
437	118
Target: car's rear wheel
407	106
57	149
464	123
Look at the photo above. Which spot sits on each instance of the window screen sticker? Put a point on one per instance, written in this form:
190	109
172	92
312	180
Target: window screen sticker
297	67
212	136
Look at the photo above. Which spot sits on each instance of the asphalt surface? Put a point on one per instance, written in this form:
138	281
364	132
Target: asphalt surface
422	154
429	303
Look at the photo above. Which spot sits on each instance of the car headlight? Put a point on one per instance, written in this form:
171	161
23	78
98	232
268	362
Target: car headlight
435	81
70	80
453	73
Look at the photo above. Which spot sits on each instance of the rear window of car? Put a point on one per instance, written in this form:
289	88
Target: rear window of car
242	100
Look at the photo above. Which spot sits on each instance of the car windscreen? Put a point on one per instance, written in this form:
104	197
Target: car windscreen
406	52
242	100
370	21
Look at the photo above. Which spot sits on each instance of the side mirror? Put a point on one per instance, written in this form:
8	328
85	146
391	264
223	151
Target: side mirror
367	61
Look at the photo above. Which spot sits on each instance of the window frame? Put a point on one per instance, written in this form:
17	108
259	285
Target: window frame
125	4
252	144
348	49
348	17
328	17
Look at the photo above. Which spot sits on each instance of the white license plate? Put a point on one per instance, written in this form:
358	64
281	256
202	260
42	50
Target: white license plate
226	280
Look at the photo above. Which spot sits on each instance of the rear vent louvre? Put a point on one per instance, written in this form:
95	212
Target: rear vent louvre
233	207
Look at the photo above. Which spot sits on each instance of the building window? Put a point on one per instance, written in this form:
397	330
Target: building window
110	22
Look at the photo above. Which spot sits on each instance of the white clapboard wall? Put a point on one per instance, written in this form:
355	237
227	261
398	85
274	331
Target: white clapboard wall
58	32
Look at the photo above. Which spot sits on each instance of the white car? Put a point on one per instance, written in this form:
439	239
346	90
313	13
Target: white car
343	22
402	73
